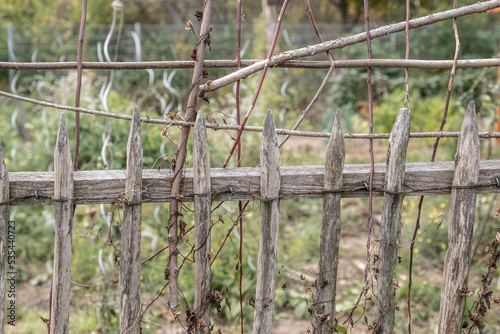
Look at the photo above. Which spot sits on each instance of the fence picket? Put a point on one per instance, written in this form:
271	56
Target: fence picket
462	213
202	213
130	245
63	210
324	301
270	183
391	222
4	218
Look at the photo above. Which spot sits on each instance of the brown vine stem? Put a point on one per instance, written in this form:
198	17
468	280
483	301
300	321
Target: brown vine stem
407	56
346	41
325	80
433	158
79	83
227	63
216	126
238	122
173	238
372	160
261	81
407	100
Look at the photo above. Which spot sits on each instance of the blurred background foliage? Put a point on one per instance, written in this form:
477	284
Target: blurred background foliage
47	31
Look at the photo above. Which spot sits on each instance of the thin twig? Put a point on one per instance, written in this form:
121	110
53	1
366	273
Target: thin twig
216	126
238	122
372	159
325	80
79	83
443	122
229	232
261	81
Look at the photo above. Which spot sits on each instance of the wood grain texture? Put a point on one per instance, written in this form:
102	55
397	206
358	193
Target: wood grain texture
4	219
324	300
460	228
270	163
390	225
238	184
203	224
130	243
63	210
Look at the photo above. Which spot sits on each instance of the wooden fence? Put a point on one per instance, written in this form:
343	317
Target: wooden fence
269	183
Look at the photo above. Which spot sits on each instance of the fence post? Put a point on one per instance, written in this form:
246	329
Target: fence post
63	209
324	301
4	218
130	244
202	212
270	183
391	222
462	213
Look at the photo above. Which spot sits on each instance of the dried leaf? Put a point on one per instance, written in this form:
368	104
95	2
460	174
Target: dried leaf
164	132
202	324
175	315
190	25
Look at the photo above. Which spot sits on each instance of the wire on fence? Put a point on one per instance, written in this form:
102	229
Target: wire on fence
215	126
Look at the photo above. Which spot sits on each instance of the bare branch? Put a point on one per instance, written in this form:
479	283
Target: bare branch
226	63
346	41
216	126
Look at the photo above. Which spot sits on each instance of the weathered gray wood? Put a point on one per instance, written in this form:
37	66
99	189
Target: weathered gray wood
270	163
324	300
105	186
63	209
460	228
4	219
390	229
202	213
130	244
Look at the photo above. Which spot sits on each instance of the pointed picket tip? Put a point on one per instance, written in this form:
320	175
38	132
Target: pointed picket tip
200	120
269	131
396	151
270	160
134	159
63	165
335	155
201	151
468	152
62	142
401	128
135	127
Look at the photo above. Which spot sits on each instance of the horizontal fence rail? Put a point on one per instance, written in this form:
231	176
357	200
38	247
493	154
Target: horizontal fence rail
236	184
228	63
